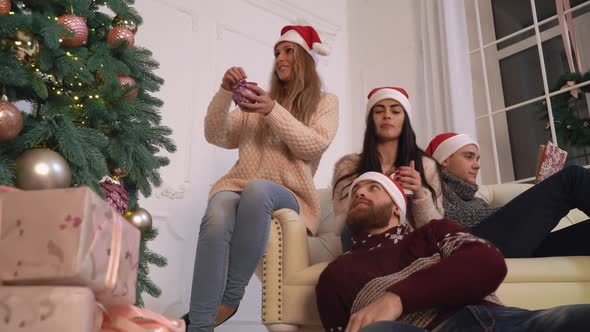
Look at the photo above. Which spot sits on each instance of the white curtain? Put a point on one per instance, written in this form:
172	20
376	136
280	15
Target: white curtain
448	97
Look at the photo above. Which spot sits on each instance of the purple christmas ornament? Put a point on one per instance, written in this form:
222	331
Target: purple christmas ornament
241	90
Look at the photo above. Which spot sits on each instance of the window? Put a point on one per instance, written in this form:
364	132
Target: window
517	59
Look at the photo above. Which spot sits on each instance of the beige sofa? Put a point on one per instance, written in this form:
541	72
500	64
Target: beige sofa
293	262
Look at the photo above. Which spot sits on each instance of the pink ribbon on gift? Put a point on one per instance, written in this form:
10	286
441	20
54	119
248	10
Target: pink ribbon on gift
114	259
566	25
128	318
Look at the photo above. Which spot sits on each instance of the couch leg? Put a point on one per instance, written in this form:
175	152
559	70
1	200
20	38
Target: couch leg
282	328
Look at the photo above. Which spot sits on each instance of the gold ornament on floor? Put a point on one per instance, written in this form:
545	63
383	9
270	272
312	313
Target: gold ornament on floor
140	218
128	82
121	33
42	169
11	120
77	25
24	45
4	7
130	24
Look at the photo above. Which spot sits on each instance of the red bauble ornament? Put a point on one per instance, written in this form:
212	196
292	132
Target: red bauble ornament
121	33
77	25
115	194
4	7
128	81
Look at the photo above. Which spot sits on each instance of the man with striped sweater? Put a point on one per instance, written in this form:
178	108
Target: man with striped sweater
436	278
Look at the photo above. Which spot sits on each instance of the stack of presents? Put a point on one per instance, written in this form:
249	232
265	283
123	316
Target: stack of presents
68	262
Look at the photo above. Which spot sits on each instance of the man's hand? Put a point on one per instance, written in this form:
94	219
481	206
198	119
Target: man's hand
387	307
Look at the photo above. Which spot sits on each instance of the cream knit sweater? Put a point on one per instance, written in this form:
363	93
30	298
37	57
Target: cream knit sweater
420	211
289	156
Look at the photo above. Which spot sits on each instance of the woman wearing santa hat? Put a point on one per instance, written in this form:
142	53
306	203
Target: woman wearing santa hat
281	136
523	227
390	147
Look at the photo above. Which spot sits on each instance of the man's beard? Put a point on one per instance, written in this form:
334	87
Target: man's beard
370	218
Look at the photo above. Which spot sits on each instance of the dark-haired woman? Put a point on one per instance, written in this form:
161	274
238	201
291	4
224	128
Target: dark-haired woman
390	147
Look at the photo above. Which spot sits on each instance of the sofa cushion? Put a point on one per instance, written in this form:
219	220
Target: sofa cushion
548	269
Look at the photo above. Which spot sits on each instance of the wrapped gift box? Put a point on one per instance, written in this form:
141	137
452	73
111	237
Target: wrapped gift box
68	237
47	308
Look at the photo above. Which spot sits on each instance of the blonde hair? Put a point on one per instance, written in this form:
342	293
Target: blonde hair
302	93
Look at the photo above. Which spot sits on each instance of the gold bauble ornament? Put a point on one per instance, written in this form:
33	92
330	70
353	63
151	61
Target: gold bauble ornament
120	33
140	218
77	25
130	24
42	169
4	7
11	120
24	44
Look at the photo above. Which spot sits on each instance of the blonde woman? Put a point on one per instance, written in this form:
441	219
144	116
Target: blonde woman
281	137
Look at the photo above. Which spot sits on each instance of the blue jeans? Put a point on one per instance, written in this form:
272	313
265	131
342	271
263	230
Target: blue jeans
570	318
391	326
522	227
232	239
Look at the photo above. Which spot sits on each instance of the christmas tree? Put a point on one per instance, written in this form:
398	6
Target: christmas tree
570	111
86	107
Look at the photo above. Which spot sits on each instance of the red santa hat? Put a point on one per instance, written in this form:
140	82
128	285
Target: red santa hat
444	145
394	189
304	36
389	92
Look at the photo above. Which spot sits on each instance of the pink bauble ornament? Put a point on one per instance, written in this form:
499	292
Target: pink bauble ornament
121	33
77	25
4	7
128	81
11	120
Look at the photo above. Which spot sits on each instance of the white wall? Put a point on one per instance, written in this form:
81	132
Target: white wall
374	43
385	50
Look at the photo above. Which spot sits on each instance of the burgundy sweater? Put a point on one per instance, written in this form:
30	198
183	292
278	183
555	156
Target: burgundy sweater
435	270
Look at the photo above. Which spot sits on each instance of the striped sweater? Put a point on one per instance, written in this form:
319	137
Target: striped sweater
435	270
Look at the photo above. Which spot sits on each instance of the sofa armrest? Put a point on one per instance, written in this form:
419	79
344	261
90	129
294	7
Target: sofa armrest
499	194
286	253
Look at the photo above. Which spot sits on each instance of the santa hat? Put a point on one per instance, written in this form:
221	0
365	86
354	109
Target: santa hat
389	92
444	145
304	36
394	189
